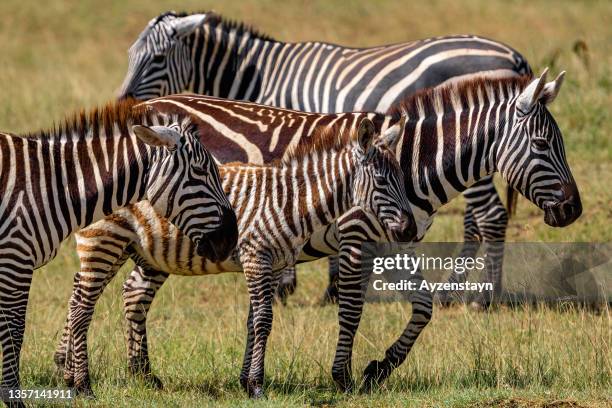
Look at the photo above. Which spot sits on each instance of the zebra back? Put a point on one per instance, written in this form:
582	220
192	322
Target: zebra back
207	54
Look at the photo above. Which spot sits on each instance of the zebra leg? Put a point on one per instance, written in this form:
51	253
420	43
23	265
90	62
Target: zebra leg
89	283
350	301
377	371
331	293
248	352
354	228
492	220
59	358
260	283
287	285
471	243
16	283
138	293
494	262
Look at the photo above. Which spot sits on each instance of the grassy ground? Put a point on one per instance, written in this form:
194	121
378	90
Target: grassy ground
64	55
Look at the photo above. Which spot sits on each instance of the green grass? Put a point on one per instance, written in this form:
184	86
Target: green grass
197	336
63	56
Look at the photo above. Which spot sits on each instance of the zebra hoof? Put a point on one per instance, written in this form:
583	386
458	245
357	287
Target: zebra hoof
84	390
153	381
375	374
344	382
257	393
69	380
140	368
244	383
254	391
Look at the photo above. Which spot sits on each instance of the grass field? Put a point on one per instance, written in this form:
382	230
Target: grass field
65	55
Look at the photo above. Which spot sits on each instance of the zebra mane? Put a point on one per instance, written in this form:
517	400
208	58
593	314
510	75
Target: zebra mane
428	97
115	113
323	139
214	19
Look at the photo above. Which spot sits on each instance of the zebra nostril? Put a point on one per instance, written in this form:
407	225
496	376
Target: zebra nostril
575	204
570	192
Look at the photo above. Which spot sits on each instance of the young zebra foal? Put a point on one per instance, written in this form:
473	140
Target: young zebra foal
279	206
54	183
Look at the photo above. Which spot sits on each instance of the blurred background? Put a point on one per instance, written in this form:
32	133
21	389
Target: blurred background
61	56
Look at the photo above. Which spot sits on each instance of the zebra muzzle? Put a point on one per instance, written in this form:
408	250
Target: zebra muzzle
563	213
218	244
405	230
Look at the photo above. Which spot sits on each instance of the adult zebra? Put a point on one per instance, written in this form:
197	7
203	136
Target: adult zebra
279	206
55	182
454	137
205	54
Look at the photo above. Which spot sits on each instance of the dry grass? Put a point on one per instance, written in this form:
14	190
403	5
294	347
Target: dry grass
58	56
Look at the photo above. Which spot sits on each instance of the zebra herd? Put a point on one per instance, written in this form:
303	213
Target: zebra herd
205	54
422	122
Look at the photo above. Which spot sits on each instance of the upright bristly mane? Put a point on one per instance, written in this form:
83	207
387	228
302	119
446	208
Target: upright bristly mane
324	139
457	91
216	20
115	113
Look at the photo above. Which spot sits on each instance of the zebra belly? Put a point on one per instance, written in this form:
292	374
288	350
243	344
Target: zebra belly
187	263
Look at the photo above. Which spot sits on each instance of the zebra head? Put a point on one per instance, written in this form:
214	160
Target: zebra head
159	61
532	159
183	184
378	185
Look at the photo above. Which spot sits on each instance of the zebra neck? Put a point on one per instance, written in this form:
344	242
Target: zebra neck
324	180
83	174
219	68
239	65
450	152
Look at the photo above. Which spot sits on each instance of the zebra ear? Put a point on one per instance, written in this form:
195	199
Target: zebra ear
530	95
157	136
187	25
551	89
365	134
393	134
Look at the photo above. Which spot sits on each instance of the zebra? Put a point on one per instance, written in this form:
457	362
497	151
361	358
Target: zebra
279	206
501	125
459	135
206	54
55	182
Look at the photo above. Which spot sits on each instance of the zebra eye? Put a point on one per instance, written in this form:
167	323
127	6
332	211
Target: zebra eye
200	171
157	58
380	179
540	144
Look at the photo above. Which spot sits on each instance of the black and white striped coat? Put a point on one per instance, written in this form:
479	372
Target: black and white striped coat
206	54
54	183
453	138
279	206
